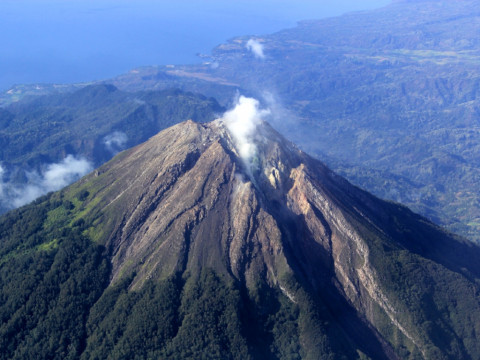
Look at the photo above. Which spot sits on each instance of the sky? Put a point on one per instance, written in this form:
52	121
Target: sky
64	41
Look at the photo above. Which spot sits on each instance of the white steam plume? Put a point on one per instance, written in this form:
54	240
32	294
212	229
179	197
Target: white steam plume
54	177
256	48
242	121
115	142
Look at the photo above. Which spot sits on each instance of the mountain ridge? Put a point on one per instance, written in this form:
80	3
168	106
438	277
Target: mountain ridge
87	127
372	275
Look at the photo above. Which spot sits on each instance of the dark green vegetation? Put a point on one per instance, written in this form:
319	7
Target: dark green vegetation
55	303
50	277
323	270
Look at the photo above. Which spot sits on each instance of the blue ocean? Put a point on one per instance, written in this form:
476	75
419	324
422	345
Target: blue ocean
64	41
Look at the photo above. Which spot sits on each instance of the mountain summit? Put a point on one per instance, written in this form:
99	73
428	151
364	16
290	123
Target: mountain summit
226	241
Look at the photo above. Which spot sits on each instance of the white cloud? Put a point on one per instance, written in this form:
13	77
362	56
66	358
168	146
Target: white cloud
115	142
53	178
64	173
256	48
242	122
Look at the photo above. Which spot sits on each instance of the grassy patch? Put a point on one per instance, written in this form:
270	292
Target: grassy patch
51	245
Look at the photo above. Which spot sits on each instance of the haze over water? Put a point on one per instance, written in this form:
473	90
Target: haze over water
60	41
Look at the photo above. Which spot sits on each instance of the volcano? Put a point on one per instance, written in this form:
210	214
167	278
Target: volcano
201	243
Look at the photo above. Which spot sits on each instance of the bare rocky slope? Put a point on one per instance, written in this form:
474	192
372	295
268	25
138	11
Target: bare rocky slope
303	264
188	202
391	96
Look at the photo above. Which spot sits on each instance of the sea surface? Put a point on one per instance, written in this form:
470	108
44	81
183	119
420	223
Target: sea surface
65	41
